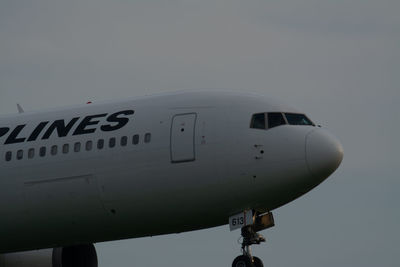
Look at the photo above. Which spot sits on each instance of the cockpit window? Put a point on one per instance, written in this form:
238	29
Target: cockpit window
258	121
298	119
275	119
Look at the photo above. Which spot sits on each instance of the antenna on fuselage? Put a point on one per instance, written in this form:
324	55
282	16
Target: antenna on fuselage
20	109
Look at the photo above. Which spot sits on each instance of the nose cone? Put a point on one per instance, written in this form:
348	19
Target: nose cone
324	153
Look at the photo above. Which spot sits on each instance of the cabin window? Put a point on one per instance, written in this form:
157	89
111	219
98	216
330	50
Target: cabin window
135	139
275	119
111	142
31	153
100	144
54	150
42	151
20	154
65	148
77	147
8	156
89	145
147	138
298	119
124	140
258	121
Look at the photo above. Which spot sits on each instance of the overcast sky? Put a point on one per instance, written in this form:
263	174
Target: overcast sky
338	61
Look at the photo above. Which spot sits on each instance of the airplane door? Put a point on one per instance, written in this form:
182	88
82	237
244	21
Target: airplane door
182	137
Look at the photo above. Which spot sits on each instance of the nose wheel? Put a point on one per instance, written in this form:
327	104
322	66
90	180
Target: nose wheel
250	236
245	261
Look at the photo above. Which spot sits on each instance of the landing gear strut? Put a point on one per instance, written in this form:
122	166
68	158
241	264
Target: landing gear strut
251	237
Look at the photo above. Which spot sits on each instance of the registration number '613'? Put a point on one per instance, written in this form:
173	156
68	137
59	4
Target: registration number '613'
240	220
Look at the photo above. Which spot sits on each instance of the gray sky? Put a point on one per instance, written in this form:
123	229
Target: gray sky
338	61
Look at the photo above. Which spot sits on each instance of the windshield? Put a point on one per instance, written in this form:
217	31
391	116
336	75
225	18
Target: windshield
298	119
274	119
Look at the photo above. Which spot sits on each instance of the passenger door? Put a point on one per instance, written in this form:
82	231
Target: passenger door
182	137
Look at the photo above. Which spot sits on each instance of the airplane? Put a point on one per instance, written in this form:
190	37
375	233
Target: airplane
153	165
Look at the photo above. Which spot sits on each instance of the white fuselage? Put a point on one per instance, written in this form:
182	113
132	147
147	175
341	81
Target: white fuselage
196	163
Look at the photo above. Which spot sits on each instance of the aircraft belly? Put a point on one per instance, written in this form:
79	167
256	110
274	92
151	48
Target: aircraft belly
106	205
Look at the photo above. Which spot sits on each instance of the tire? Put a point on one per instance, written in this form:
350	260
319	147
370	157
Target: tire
242	261
257	262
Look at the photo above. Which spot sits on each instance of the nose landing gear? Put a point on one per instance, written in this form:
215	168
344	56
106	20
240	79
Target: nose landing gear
251	237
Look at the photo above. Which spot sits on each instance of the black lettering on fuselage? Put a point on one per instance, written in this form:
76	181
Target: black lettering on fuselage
121	122
62	129
13	137
3	131
115	121
87	121
34	135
